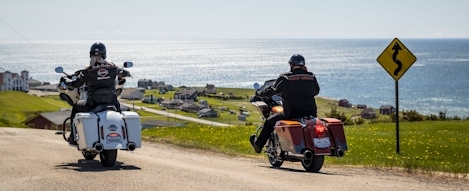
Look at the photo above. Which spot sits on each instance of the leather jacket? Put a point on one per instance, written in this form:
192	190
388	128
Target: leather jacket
297	88
99	76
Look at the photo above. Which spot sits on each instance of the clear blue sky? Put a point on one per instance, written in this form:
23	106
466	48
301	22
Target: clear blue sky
235	19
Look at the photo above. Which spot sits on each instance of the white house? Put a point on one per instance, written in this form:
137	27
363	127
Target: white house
15	82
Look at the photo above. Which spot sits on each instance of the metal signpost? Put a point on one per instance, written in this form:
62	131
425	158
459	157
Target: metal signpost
396	59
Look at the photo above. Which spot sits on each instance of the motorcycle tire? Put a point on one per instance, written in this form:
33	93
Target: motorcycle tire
273	156
314	164
89	155
108	157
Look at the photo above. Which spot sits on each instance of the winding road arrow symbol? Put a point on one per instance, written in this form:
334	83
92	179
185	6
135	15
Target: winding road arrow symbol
396	49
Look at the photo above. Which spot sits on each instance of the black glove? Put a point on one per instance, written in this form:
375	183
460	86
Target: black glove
121	81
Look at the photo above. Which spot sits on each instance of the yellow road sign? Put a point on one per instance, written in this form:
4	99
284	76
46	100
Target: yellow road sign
396	59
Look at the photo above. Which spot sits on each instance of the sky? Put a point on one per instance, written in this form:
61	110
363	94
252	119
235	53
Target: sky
235	19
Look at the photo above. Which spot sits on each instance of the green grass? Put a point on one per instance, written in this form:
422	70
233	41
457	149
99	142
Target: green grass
16	107
424	146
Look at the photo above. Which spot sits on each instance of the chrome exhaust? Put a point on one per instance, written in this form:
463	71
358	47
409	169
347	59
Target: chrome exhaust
338	153
98	147
306	155
131	146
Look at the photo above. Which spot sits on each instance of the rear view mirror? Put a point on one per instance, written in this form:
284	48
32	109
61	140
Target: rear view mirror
59	70
256	86
128	64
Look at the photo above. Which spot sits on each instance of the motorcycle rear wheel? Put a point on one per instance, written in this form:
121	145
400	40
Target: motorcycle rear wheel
314	164
108	157
89	155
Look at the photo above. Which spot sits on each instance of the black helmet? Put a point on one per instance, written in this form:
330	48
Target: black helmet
297	60
98	49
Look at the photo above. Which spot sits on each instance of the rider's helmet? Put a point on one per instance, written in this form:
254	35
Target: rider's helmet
98	49
297	60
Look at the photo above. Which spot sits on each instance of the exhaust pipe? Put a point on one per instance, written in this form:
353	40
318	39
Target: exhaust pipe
98	147
306	155
130	146
338	153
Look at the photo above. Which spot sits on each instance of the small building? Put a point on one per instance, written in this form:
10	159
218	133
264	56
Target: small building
368	114
187	94
173	103
190	107
48	120
145	83
210	89
149	99
132	94
361	106
34	83
344	103
387	109
208	112
47	87
242	117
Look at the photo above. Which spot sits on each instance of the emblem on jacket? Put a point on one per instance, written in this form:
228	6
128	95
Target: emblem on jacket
103	74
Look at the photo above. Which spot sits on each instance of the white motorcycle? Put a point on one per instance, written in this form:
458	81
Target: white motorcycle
103	130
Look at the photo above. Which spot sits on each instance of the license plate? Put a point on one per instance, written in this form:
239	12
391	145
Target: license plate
322	142
113	139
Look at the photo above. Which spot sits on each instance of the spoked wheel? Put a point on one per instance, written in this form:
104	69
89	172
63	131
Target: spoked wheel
108	157
89	155
273	151
314	164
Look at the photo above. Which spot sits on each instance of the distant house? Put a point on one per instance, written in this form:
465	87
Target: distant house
344	103
14	81
188	94
203	102
173	103
34	83
208	112
210	89
242	117
361	106
145	83
149	99
131	94
48	120
189	107
387	109
47	87
368	114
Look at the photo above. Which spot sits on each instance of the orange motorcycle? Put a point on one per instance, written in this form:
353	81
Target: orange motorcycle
306	139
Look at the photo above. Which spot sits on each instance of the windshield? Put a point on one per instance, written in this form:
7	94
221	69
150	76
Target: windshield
267	84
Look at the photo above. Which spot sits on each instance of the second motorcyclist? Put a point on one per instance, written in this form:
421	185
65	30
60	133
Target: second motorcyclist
99	74
297	88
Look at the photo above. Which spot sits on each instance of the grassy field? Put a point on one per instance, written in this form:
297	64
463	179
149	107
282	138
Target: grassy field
16	107
424	146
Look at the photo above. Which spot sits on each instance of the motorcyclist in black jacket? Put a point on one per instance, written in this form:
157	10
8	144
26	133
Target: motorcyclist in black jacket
99	75
297	88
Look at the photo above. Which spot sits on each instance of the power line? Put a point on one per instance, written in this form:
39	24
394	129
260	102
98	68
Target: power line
23	37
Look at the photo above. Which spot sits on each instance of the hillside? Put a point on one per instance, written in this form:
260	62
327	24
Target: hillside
16	107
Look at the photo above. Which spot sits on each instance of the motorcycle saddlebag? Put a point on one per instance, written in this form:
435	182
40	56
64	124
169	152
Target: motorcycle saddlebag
132	122
336	129
87	129
290	135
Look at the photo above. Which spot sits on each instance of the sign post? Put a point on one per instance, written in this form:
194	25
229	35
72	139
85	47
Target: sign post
396	59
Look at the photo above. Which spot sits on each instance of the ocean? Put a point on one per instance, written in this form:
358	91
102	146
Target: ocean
345	68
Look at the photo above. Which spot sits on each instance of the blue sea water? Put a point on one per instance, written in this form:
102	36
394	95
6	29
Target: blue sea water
345	68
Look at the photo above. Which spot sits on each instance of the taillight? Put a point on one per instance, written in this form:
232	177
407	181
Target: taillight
123	132
320	130
102	133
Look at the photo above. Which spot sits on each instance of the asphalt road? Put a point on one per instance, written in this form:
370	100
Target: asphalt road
33	159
